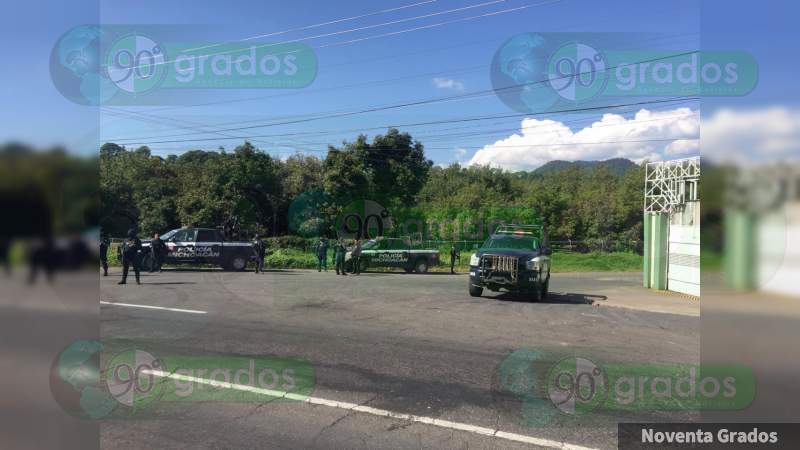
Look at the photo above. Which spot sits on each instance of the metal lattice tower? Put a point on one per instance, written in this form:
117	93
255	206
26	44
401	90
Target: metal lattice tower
669	184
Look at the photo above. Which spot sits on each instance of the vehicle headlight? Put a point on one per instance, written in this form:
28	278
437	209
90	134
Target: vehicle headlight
534	264
474	260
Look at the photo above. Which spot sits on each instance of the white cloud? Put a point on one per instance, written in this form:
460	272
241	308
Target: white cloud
448	83
540	141
682	147
459	152
766	135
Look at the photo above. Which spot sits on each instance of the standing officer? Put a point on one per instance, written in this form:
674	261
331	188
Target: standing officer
104	243
356	257
338	257
260	249
158	249
454	254
322	254
5	246
130	256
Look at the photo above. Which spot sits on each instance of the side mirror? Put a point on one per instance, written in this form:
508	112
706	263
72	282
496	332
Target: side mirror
547	251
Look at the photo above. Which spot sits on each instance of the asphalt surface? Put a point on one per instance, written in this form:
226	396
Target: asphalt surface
399	343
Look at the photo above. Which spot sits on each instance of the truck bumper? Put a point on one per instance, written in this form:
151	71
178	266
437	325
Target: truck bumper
526	280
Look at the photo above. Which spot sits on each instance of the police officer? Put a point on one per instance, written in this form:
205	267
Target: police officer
322	254
130	256
260	250
158	249
454	254
5	246
104	243
356	257
338	257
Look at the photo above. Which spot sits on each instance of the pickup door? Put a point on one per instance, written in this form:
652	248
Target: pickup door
181	247
208	247
387	253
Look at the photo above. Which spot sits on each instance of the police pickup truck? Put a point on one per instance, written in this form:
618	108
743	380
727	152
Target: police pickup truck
513	258
202	246
394	252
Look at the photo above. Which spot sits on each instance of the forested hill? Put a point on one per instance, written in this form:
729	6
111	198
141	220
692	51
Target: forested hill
617	166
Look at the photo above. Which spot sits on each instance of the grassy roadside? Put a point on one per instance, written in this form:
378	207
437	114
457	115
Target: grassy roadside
287	258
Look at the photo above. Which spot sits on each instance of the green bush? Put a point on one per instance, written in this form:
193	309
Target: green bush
290	242
287	258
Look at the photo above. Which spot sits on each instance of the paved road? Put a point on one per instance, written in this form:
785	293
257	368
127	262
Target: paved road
395	344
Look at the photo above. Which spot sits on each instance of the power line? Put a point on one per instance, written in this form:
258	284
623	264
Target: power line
429	101
352	30
435	122
348	63
322	24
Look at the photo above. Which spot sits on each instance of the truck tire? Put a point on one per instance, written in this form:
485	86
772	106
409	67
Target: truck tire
236	263
475	291
421	265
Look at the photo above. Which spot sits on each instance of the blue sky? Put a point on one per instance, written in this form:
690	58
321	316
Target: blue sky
441	61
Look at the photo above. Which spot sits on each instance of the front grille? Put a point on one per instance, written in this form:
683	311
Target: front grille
500	265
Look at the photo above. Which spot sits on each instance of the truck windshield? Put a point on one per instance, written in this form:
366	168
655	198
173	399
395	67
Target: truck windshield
370	244
512	242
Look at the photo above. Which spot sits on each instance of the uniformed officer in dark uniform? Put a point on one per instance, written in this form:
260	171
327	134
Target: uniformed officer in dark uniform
104	243
338	257
260	250
130	256
322	255
454	254
158	250
5	246
356	257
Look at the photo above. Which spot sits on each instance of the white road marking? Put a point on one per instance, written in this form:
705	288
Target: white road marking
130	305
542	442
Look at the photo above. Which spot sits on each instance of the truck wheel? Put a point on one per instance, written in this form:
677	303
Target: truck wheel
421	266
475	291
236	263
408	269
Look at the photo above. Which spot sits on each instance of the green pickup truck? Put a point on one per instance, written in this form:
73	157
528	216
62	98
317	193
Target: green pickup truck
394	252
514	258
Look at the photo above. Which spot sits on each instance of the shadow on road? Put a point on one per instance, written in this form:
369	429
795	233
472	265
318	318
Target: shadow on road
555	298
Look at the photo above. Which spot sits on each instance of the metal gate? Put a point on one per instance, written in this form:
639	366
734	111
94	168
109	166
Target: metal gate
672	196
683	256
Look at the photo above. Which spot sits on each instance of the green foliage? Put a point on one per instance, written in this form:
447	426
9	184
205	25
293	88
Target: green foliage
290	241
595	206
203	189
391	170
288	258
47	191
